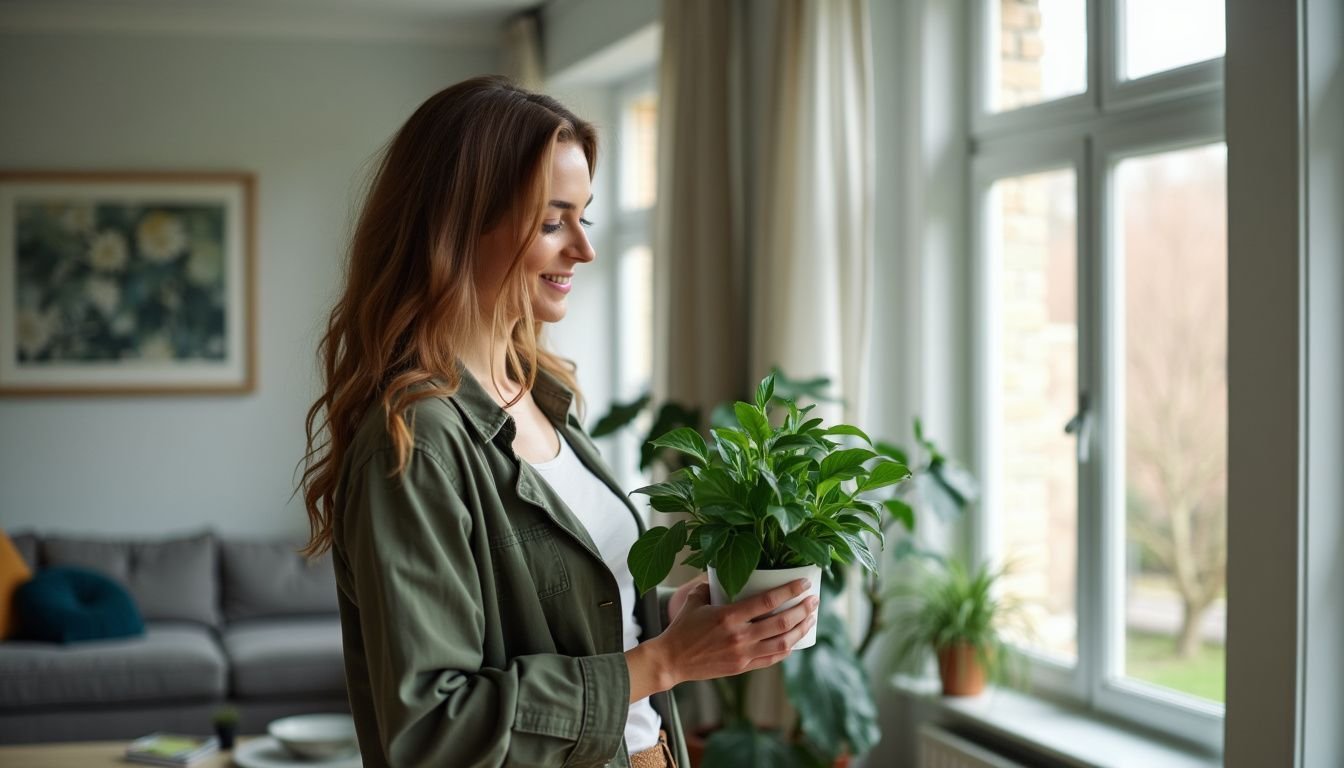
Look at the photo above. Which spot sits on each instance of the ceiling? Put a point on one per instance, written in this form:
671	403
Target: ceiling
449	21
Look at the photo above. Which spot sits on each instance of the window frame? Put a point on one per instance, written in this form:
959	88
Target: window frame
1024	157
1091	133
1133	700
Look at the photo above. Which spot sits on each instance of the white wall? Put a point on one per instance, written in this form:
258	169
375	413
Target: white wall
305	117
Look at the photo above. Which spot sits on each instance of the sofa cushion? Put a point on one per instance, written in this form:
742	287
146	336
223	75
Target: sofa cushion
172	661
67	605
26	544
285	657
170	579
263	579
14	572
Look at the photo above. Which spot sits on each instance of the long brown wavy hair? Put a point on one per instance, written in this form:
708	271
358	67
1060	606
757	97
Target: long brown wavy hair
474	156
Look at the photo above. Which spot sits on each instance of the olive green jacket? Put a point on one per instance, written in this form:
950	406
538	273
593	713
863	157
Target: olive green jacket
481	627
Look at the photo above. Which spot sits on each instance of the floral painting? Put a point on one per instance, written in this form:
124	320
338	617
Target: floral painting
121	284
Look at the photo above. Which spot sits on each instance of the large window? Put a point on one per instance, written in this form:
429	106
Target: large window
1099	198
635	149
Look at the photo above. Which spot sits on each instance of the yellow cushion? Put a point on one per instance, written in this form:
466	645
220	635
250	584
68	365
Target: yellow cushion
13	572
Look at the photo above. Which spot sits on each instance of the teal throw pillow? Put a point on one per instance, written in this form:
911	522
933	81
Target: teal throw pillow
66	605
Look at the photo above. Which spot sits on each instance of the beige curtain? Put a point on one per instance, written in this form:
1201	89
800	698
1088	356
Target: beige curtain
520	42
763	243
811	278
763	238
700	311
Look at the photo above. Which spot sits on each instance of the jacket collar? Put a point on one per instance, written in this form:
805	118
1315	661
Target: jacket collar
487	419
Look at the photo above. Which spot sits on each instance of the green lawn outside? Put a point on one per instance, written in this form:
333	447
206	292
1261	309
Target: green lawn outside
1152	658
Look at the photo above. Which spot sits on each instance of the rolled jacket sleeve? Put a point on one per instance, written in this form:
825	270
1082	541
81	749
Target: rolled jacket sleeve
417	587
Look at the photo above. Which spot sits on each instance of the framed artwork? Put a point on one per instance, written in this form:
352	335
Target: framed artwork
126	283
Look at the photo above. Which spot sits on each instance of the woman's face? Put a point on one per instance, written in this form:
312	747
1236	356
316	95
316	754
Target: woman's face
548	264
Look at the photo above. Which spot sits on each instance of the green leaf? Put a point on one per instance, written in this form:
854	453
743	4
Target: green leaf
769	477
670	504
854	524
793	442
957	480
736	561
765	391
825	486
935	456
873	509
893	451
844	461
733	444
846	429
794	464
620	415
884	474
652	556
672	496
716	488
828	685
789	517
696	560
901	511
743	745
860	550
687	441
677	489
753	422
712	539
728	515
812	551
669	417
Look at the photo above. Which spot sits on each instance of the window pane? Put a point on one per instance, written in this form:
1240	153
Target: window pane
1172	223
1165	34
1034	251
634	339
635	321
639	152
1041	51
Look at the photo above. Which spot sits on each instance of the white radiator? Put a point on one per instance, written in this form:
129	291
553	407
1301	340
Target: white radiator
942	749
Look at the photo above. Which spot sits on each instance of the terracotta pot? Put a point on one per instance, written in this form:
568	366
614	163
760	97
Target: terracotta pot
695	745
960	668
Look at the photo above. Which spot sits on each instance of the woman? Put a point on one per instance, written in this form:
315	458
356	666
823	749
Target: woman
488	614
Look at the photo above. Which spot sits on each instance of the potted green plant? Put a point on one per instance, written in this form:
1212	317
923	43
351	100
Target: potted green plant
225	720
957	615
767	504
827	685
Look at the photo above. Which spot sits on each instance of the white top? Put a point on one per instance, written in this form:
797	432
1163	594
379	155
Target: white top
613	530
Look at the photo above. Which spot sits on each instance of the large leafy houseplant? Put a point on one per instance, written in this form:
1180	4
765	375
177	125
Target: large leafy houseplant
826	684
766	497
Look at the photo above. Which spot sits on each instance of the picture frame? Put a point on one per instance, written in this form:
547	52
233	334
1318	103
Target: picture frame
127	283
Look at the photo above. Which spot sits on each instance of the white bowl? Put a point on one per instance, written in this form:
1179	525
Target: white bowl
315	737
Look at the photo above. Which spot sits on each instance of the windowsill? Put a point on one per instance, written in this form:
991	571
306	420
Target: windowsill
1056	731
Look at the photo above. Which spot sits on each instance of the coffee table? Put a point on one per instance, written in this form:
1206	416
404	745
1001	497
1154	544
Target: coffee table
88	754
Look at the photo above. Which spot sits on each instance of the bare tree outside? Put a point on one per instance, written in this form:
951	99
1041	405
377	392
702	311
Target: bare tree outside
1174	224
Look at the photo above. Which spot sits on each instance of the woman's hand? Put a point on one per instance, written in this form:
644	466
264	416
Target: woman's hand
706	641
678	598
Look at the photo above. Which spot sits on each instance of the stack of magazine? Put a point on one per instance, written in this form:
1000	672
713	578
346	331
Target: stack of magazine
171	749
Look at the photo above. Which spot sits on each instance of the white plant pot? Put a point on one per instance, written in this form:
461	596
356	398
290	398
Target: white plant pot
764	581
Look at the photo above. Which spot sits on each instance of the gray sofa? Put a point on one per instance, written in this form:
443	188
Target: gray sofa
244	622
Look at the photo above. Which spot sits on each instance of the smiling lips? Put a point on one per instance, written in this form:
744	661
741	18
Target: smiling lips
558	282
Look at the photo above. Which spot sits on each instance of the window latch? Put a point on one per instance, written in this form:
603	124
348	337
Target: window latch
1080	426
